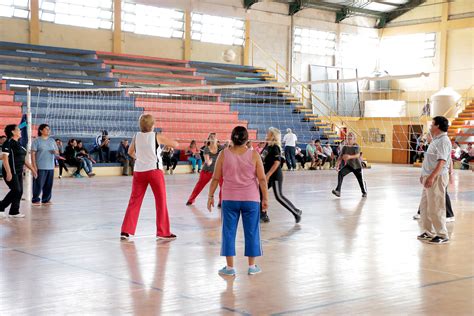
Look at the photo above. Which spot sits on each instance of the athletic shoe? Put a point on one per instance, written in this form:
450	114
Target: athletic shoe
336	193
225	271
19	215
170	237
47	203
77	175
264	218
364	194
2	214
188	203
90	175
424	236
60	177
438	240
450	219
255	270
124	236
35	204
416	216
298	216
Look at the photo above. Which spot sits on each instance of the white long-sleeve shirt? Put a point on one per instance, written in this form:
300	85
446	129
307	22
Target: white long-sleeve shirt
290	140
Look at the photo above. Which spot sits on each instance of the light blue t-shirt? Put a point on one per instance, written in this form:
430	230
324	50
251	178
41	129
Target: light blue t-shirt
44	149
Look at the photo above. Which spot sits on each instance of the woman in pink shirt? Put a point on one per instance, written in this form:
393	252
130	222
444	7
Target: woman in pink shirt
243	173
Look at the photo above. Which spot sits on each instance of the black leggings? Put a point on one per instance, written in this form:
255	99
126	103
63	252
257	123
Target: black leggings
345	171
13	196
76	162
277	190
62	165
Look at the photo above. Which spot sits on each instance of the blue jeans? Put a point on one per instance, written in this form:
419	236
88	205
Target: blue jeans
250	211
44	184
87	165
194	161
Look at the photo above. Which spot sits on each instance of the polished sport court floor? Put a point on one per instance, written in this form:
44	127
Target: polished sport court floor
347	256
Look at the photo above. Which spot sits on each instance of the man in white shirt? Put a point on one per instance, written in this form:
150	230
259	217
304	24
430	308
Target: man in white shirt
290	151
435	178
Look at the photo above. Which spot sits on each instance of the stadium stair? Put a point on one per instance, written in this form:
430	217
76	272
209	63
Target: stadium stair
462	127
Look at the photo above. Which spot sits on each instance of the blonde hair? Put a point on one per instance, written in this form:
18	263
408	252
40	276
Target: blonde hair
276	136
146	122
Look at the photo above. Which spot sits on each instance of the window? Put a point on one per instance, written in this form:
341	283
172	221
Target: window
216	29
308	41
154	21
360	51
84	13
410	46
14	8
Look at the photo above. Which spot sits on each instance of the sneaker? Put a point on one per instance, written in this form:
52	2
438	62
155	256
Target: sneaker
35	204
264	217
60	177
255	270
188	203
450	219
336	193
438	240
77	175
416	216
364	194
2	214
170	237
90	175
124	236
225	271
298	216
19	215
424	236
47	203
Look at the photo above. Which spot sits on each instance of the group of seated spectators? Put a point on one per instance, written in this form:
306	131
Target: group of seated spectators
464	155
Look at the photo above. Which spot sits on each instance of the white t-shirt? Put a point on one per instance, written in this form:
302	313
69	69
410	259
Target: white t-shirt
290	140
146	152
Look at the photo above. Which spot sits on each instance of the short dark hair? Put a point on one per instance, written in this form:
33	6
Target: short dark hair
318	141
9	130
41	128
441	122
239	136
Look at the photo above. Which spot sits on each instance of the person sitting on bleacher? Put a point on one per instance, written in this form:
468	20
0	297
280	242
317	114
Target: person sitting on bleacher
169	160
311	155
194	156
124	158
467	156
101	147
84	155
71	158
327	150
456	152
300	157
320	154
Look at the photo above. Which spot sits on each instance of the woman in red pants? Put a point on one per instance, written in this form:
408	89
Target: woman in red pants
146	172
211	152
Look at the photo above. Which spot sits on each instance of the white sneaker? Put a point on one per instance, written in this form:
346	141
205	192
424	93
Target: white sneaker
19	215
450	219
416	216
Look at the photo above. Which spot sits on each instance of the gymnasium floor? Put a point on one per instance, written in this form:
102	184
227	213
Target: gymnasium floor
348	255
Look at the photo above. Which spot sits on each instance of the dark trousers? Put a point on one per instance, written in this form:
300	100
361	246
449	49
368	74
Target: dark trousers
13	196
170	162
43	183
103	153
76	162
449	207
277	190
62	165
322	160
127	165
301	159
345	171
290	152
